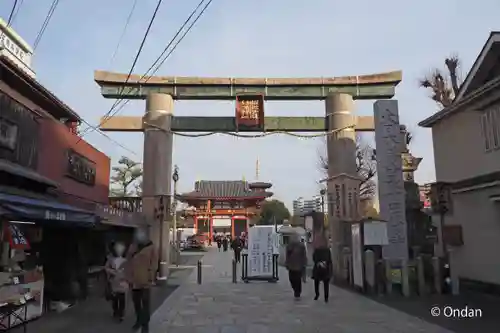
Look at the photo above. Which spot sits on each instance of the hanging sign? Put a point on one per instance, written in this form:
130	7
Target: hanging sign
16	238
250	111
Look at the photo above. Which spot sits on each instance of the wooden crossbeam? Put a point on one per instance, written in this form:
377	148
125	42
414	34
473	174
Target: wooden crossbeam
227	124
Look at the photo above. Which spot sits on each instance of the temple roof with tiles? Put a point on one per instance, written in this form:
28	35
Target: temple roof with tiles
226	190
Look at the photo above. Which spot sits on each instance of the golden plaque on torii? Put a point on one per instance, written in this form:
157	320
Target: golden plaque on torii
250	111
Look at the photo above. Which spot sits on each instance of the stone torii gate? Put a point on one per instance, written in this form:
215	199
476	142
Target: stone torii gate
159	123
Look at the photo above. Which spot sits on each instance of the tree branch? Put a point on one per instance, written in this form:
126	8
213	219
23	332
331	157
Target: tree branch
366	167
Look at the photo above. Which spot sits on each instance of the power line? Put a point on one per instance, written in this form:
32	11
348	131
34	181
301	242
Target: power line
110	139
12	16
17	11
159	62
52	8
12	13
139	51
127	22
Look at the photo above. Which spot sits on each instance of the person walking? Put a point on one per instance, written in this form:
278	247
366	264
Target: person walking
323	268
140	270
237	246
219	242
295	262
118	284
225	243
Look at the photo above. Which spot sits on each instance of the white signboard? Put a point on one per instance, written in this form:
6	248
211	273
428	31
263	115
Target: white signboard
389	144
309	223
262	244
375	233
221	222
357	255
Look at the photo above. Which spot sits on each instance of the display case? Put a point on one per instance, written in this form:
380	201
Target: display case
21	276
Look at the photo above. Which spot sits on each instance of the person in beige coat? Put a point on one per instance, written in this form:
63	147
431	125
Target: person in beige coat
140	272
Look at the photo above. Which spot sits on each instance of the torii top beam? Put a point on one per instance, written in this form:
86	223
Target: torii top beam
374	86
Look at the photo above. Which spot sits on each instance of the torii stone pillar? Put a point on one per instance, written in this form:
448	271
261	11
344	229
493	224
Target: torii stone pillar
157	165
341	148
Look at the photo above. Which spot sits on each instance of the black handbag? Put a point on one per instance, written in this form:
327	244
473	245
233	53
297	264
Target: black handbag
108	294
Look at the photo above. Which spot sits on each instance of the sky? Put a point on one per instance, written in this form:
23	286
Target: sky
257	38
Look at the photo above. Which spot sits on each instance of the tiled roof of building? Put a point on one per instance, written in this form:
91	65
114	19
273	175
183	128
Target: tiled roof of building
223	189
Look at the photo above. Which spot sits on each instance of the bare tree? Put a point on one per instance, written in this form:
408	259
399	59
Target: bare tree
126	175
366	163
444	85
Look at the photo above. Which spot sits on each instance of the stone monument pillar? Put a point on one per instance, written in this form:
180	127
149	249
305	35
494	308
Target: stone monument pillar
341	148
157	165
390	145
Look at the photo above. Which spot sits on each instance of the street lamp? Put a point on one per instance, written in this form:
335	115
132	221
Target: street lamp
322	194
175	178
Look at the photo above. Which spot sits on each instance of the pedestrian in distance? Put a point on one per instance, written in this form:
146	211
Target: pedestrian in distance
219	243
323	268
295	262
225	243
115	271
140	270
237	246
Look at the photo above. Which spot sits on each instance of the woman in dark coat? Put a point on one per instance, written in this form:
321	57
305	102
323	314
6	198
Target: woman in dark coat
323	267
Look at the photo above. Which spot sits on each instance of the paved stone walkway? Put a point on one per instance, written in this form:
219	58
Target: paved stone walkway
219	306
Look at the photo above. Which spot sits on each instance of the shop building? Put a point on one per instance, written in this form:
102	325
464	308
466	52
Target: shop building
54	206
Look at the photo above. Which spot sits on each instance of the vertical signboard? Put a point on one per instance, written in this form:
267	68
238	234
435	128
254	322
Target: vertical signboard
250	112
389	143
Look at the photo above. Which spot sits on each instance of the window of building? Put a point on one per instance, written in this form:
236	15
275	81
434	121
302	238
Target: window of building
490	128
8	134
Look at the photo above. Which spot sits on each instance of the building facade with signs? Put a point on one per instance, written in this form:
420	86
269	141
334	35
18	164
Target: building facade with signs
36	134
466	140
224	206
14	48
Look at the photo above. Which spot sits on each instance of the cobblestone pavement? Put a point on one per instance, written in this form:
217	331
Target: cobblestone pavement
219	306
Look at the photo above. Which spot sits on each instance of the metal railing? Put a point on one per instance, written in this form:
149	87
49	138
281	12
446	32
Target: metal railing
127	204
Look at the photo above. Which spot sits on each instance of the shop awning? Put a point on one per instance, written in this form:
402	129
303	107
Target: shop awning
29	209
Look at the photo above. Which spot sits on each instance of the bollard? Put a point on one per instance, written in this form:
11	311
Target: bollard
405	278
234	271
388	277
199	271
454	279
422	286
370	271
436	268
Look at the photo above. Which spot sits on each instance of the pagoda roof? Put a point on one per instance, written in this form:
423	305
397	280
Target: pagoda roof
223	189
260	185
